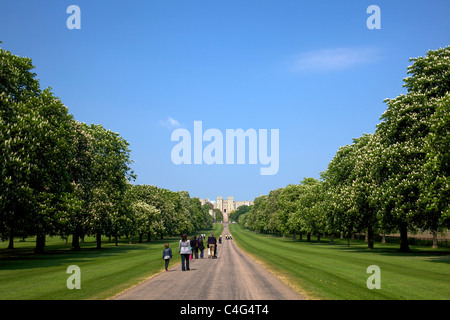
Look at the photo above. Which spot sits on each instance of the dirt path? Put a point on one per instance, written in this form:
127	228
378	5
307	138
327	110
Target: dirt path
232	276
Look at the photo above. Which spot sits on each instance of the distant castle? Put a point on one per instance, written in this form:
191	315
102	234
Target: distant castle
226	206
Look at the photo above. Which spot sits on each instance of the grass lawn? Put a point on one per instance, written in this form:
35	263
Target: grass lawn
324	271
104	272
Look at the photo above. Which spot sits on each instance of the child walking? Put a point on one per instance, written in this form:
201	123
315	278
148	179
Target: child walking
167	255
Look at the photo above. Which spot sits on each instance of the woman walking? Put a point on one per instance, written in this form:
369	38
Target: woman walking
184	248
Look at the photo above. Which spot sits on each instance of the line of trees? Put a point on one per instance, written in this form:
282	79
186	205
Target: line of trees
158	211
62	177
396	179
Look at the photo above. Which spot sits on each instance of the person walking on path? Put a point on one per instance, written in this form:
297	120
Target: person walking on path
212	245
194	246
184	248
201	246
167	255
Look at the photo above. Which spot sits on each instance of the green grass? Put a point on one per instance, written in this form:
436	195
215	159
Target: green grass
324	271
104	272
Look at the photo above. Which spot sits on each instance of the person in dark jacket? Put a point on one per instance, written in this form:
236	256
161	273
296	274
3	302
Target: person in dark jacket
212	241
201	246
194	246
167	255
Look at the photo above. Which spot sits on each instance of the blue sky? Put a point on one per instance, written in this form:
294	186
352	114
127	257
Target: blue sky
311	69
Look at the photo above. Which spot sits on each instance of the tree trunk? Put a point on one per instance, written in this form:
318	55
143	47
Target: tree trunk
383	238
318	236
308	237
404	246
11	239
98	238
40	243
332	238
435	243
75	241
140	237
370	237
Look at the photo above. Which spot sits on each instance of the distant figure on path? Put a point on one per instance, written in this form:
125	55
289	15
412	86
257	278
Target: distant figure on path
184	248
167	255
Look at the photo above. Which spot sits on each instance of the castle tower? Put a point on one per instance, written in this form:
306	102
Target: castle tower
219	203
230	204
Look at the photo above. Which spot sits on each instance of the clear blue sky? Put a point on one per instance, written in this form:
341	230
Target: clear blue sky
311	69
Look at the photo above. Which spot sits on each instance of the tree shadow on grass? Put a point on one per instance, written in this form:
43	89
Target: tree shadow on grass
62	255
441	255
27	259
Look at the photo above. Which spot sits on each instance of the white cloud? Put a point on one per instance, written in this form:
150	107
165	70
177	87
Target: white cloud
169	123
324	60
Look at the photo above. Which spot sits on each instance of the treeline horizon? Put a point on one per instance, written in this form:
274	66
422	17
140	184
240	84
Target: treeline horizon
396	179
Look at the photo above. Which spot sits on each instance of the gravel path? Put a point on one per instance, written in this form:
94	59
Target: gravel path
232	276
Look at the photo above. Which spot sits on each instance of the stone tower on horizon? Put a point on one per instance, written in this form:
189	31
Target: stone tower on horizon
227	206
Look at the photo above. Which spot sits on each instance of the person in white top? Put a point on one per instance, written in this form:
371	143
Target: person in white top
184	248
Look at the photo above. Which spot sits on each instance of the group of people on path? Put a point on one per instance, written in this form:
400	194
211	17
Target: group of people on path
189	249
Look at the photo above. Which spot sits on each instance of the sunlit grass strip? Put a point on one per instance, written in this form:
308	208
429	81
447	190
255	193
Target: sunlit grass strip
325	271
